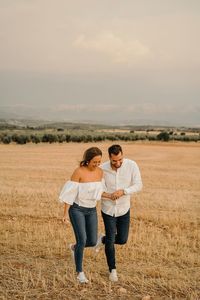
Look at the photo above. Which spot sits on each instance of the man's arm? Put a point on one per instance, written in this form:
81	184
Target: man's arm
136	184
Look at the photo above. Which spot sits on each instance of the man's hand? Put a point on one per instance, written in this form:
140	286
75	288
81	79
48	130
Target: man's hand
117	194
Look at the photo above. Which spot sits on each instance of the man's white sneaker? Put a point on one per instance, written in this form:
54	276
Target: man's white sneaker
71	247
99	243
82	278
113	275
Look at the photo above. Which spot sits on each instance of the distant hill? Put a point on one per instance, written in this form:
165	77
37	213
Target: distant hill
45	124
31	115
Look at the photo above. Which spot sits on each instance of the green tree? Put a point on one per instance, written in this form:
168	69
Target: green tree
22	139
6	139
163	136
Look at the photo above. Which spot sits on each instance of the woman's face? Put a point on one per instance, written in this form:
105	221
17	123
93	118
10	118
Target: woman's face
95	162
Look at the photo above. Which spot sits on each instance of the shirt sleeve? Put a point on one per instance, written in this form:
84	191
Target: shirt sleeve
69	192
104	188
136	181
101	190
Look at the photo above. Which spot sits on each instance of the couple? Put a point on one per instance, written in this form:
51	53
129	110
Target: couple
113	183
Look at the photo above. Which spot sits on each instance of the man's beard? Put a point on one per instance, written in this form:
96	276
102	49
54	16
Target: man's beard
117	167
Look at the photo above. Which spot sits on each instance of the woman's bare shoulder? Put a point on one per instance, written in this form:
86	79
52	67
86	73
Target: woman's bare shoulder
76	176
100	171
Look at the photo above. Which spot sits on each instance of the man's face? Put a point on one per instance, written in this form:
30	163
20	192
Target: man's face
116	160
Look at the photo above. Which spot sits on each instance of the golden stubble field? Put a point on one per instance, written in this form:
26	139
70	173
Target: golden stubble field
161	258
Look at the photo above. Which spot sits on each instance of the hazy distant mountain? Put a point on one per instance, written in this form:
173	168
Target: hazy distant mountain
93	117
8	115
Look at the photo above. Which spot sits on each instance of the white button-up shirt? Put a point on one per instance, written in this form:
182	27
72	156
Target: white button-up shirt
128	178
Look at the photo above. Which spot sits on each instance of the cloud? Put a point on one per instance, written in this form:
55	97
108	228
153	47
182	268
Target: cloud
146	108
150	108
88	108
119	49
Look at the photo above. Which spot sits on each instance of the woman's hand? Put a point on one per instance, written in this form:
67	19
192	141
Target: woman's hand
65	220
117	194
106	195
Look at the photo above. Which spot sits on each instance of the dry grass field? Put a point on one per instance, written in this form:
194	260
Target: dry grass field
161	259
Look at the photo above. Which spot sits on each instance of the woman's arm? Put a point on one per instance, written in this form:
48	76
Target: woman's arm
65	218
71	192
106	195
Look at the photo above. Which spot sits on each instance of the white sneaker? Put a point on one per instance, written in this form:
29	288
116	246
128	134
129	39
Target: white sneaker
71	247
82	278
99	243
113	275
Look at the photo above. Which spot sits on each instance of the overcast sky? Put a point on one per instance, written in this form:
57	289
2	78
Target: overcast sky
116	61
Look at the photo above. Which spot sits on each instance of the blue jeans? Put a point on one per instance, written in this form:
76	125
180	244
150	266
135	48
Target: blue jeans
84	223
116	229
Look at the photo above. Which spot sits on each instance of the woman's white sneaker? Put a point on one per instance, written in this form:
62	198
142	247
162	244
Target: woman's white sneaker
82	278
113	275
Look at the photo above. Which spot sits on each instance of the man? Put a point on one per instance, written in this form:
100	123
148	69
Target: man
122	179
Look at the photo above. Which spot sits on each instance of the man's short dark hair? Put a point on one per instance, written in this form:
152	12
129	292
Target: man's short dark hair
114	149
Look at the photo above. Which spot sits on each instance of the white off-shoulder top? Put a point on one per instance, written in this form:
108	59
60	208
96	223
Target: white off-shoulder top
84	194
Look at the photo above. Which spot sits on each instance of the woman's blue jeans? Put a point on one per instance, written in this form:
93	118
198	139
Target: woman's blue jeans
117	229
84	223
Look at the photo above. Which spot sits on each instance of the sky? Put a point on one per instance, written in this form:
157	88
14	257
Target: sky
109	61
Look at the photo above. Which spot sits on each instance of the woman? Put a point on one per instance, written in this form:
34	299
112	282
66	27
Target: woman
80	195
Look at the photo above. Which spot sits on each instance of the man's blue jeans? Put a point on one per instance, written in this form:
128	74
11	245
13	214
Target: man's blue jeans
84	223
116	229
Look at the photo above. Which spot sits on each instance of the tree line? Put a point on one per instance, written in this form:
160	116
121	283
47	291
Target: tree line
7	138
